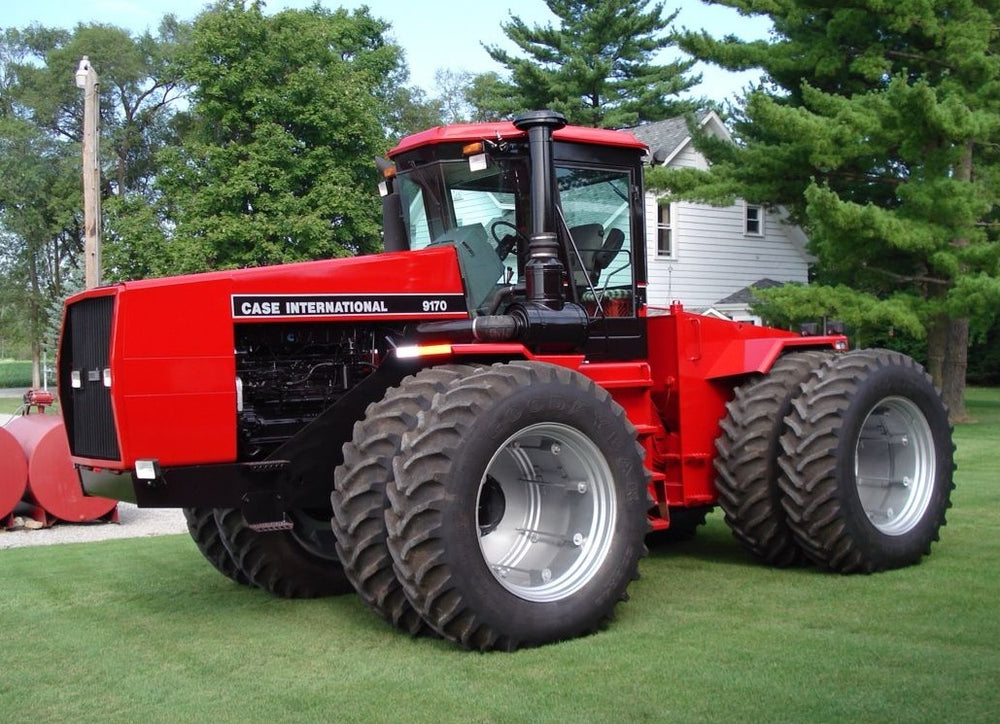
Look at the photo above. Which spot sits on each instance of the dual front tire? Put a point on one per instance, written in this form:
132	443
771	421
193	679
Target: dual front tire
514	509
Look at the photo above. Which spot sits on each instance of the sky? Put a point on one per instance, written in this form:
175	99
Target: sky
435	34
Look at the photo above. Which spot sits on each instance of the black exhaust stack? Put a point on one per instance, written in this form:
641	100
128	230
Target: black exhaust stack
544	321
543	271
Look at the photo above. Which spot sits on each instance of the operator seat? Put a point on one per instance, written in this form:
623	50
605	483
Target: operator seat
589	239
609	250
598	255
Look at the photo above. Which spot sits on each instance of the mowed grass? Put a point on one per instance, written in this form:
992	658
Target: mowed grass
144	630
12	375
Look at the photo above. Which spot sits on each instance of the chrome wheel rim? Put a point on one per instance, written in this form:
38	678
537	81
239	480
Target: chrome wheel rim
894	465
546	512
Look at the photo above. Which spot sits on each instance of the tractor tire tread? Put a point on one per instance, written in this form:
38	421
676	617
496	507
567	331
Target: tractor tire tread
417	497
813	499
205	534
359	498
746	465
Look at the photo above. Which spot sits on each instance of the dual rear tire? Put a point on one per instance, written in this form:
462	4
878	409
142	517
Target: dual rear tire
842	460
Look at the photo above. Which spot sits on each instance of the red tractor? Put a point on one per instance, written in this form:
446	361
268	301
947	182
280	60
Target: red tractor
490	412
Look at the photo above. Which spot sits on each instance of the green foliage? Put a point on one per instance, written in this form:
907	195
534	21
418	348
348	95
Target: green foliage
287	114
595	67
39	227
865	315
749	643
138	91
491	98
876	127
40	132
15	373
412	111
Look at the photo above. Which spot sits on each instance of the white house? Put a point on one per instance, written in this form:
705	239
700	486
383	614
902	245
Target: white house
707	257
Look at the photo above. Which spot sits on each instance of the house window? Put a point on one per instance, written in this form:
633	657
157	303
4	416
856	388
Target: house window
664	230
753	218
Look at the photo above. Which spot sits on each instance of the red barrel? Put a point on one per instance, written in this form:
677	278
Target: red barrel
13	473
52	480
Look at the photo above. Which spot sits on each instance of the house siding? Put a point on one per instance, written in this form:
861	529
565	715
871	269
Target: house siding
688	157
713	257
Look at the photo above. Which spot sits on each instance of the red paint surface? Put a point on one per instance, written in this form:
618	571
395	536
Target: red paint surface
473	132
174	381
13	472
53	483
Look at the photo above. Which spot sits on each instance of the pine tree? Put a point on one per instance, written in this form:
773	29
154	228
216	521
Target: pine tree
876	125
596	67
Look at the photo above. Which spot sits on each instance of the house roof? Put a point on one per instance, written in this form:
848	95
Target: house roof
745	295
663	136
666	138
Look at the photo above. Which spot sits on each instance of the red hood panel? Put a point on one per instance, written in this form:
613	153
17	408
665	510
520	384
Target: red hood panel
172	342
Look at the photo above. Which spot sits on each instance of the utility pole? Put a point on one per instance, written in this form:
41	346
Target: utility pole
86	79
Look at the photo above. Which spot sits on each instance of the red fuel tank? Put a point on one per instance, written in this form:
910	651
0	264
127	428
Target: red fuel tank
53	484
13	473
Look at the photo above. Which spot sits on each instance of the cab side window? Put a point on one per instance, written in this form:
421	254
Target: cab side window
595	203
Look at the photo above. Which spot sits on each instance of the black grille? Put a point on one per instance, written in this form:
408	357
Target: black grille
86	351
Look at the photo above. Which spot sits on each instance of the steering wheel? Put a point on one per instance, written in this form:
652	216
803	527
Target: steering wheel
506	244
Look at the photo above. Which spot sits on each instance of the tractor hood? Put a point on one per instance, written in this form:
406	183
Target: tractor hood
147	368
381	286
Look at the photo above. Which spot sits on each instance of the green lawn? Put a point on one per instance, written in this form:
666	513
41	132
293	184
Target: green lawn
143	630
10	405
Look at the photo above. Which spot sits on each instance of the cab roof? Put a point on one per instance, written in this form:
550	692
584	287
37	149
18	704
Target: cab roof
505	130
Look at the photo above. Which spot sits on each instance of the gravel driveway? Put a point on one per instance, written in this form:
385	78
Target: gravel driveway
133	522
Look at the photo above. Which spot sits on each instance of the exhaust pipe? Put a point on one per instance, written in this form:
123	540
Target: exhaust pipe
544	321
543	272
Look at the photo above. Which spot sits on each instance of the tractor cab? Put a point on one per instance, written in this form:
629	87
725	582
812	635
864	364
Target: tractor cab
482	189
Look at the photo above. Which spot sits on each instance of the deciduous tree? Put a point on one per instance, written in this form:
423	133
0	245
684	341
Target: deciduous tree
39	227
287	113
40	134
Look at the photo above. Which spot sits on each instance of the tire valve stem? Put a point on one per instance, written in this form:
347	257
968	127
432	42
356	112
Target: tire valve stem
578	539
581	488
546	575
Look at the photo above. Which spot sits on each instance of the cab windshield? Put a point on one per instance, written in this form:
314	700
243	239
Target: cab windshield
442	197
481	205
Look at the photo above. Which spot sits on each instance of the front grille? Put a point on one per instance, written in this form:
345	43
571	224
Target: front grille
86	350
